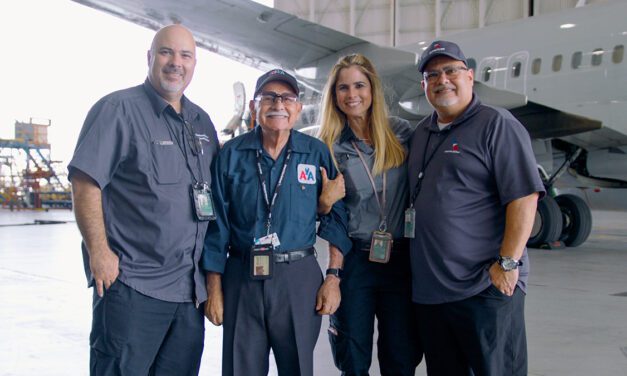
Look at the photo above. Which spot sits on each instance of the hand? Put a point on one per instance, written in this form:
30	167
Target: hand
329	296
502	280
214	307
105	267
332	191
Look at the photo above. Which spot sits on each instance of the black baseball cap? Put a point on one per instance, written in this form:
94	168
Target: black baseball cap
276	75
441	48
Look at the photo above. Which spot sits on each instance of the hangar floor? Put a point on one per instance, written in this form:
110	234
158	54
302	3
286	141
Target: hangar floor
576	308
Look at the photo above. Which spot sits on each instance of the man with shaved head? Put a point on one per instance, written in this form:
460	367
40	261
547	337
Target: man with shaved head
140	179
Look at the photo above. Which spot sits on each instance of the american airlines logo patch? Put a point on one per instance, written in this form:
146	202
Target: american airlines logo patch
306	174
454	147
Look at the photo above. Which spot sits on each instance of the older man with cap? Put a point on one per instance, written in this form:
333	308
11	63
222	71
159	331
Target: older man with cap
269	292
474	187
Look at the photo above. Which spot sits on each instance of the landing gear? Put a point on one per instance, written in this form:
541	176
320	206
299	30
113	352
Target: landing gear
576	218
565	218
547	226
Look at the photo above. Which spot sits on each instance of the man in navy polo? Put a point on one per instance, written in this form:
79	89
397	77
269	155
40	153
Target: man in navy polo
269	292
474	185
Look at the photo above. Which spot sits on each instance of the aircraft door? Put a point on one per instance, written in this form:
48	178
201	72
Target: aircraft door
516	73
487	71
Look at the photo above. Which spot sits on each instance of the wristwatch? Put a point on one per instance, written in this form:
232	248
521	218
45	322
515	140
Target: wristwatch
509	263
335	271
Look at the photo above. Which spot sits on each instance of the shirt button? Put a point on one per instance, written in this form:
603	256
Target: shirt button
302	187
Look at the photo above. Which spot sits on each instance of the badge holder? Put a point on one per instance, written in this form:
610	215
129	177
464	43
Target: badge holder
203	202
261	261
410	223
380	247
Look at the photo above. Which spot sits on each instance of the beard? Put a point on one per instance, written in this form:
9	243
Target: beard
172	86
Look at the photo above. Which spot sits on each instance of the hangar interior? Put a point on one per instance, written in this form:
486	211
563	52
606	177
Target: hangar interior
402	22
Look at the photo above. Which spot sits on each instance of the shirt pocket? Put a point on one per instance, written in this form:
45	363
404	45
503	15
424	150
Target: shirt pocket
243	202
303	203
167	162
355	176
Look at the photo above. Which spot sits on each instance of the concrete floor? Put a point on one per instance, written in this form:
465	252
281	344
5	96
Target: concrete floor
576	307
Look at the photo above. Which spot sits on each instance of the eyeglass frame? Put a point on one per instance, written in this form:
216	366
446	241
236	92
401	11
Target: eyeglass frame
432	76
287	98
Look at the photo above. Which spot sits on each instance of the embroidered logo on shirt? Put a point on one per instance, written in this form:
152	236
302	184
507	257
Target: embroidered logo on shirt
306	174
454	147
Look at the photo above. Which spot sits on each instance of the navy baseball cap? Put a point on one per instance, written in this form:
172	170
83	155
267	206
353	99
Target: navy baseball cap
276	75
441	48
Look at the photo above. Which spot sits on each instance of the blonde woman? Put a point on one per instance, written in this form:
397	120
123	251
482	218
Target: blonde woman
369	148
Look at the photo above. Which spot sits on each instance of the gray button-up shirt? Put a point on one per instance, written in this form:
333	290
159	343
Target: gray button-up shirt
134	146
361	203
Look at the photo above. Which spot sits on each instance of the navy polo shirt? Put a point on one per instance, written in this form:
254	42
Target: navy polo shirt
132	144
484	162
241	208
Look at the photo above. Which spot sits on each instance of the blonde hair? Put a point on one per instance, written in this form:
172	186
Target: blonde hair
389	152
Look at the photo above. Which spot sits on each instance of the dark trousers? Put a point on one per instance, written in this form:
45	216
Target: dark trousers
133	334
383	290
277	313
483	335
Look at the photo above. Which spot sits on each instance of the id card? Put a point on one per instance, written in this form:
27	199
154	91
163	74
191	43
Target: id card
410	223
261	261
380	247
203	202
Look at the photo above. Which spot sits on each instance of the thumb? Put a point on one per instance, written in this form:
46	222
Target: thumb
323	173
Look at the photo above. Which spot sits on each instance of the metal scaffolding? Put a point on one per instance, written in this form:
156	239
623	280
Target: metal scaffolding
27	173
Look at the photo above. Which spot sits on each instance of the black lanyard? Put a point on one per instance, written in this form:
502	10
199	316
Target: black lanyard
425	163
270	204
182	147
380	202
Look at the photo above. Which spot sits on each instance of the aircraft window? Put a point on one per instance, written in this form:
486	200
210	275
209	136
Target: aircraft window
516	69
486	74
576	60
472	63
597	56
535	65
557	63
617	55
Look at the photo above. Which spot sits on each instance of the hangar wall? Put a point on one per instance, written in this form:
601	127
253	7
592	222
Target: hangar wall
401	22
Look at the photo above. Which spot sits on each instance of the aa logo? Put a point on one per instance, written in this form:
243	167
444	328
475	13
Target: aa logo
306	174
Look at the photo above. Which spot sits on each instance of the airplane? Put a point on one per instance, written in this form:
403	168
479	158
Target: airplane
562	75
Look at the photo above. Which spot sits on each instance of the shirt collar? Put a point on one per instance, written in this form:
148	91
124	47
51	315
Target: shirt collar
432	124
159	104
297	142
347	134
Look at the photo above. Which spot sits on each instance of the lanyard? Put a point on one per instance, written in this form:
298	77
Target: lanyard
380	202
270	204
425	163
181	145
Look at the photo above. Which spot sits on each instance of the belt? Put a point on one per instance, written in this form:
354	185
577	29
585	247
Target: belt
288	256
398	245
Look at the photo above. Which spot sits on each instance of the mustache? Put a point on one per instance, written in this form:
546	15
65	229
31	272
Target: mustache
173	69
439	88
277	113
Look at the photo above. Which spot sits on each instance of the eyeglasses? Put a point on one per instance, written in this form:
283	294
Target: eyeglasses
450	72
269	97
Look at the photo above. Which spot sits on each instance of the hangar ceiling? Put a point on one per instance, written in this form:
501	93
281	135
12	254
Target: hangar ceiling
401	22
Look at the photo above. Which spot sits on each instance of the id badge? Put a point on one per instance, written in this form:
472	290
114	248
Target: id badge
380	247
261	261
410	223
203	202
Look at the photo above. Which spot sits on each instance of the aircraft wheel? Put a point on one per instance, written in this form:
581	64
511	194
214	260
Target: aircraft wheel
547	226
577	219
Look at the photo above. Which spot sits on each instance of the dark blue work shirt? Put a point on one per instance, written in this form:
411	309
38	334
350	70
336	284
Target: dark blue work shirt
134	146
241	208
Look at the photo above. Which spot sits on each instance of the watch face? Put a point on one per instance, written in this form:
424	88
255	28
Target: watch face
509	264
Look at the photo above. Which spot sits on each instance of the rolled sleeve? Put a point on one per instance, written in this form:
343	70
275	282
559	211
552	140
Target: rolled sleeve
215	249
334	225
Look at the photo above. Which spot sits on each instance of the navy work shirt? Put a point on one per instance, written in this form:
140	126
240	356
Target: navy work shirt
361	203
241	208
132	144
484	162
